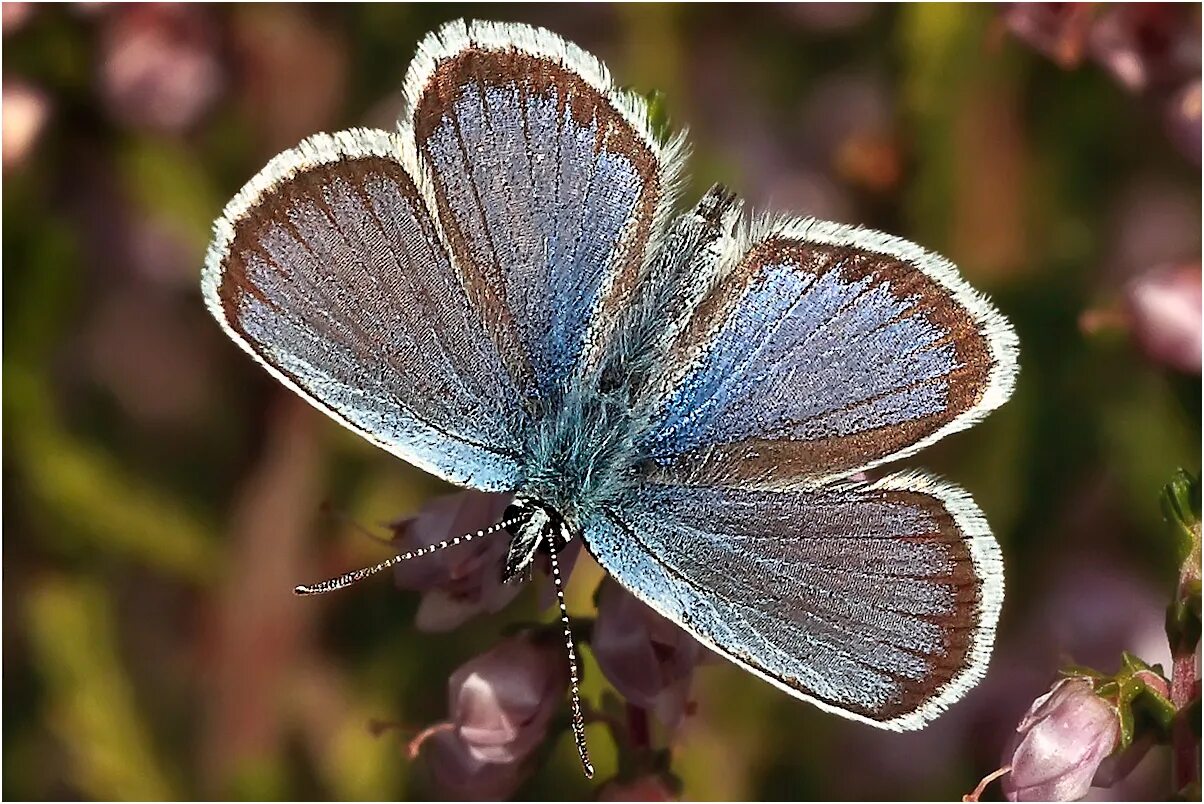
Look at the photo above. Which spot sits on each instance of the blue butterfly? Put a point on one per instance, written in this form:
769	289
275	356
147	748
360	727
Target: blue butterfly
501	293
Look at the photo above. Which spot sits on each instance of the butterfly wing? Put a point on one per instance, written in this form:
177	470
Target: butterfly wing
812	351
876	601
819	350
550	186
329	269
436	289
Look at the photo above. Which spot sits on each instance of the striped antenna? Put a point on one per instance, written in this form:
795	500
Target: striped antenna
578	718
352	577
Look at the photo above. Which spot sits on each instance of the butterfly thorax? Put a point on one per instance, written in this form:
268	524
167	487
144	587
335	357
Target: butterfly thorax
585	454
581	458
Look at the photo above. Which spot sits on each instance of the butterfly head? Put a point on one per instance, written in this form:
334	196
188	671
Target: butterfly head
536	527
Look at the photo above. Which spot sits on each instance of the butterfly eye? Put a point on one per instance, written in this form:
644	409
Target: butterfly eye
518	515
611	379
644	468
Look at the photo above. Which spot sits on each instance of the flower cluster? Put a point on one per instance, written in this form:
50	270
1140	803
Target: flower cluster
1152	49
503	703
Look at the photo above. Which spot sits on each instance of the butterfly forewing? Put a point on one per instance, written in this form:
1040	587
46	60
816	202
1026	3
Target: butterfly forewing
328	268
878	601
549	184
823	350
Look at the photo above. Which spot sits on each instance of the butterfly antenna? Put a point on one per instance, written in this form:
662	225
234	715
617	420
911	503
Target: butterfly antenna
578	718
354	576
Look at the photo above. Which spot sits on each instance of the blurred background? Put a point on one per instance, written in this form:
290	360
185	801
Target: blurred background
163	495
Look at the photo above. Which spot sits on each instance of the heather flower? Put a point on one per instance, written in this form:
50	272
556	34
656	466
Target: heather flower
1059	30
159	65
1060	744
1146	45
459	582
461	775
26	112
15	15
502	701
1164	310
648	659
1182	119
650	787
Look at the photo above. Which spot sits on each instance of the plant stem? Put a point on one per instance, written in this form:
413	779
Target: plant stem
1185	687
1185	678
638	727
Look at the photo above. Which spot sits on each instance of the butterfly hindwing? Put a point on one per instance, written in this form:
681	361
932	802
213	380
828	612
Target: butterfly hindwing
328	268
550	185
877	601
822	350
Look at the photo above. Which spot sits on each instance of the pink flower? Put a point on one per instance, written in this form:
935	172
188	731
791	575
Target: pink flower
1147	45
461	775
648	659
1164	308
462	581
501	701
1059	30
14	16
1182	118
160	67
1060	744
650	787
26	112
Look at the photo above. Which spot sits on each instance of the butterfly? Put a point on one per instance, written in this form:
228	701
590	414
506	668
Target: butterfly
504	292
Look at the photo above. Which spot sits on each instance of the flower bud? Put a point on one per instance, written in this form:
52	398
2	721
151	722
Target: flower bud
1146	46
502	700
1164	306
160	67
1058	30
1182	117
458	582
648	659
1060	744
459	774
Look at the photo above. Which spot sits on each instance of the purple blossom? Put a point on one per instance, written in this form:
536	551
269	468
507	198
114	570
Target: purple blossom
501	701
457	772
459	582
648	659
1164	310
14	16
649	787
26	112
1182	117
159	65
1060	744
1146	46
1058	30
